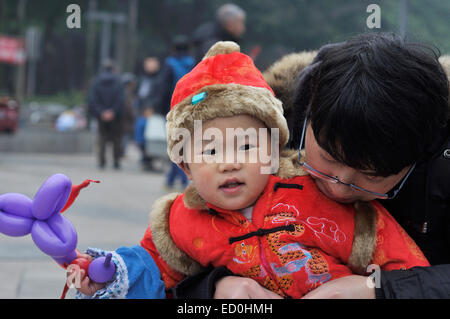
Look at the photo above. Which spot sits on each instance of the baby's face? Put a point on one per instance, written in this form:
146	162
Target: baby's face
227	171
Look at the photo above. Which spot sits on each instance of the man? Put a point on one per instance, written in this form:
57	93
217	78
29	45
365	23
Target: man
107	102
228	26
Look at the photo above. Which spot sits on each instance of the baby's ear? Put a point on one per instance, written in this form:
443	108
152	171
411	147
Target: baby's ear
185	167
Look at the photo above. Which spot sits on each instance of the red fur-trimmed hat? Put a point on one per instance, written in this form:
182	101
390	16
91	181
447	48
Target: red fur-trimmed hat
225	83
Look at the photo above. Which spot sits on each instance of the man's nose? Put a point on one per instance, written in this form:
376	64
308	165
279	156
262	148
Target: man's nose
339	190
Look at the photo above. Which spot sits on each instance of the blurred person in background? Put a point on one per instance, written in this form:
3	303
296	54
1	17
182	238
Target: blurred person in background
144	104
146	86
107	103
229	25
139	131
175	67
177	64
129	82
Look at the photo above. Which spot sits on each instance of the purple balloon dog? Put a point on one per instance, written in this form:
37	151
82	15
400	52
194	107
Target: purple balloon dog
51	232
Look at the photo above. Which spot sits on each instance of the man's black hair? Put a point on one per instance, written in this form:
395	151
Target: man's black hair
377	103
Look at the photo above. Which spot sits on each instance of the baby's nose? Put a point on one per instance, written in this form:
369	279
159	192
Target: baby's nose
229	166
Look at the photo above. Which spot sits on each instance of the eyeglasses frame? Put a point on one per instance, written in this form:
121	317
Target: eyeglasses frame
335	180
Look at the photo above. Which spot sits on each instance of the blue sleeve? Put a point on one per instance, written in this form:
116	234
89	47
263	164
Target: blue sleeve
136	277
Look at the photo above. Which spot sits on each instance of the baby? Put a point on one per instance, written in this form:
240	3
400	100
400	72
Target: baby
248	207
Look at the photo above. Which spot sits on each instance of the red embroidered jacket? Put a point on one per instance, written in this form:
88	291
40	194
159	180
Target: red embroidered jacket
298	238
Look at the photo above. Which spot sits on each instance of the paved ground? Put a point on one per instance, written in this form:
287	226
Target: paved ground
108	215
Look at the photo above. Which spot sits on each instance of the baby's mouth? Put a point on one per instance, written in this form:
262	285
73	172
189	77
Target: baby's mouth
231	184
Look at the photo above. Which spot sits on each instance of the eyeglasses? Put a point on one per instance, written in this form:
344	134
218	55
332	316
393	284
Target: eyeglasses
389	195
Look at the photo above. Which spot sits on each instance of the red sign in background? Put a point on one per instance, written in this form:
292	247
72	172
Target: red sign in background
12	50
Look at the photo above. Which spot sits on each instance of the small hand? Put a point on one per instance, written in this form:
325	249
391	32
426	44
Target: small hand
78	277
234	287
107	115
350	287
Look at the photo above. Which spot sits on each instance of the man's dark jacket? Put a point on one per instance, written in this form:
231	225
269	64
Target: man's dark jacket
107	93
422	208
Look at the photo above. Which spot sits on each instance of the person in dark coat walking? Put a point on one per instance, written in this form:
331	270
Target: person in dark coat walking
229	25
107	103
373	113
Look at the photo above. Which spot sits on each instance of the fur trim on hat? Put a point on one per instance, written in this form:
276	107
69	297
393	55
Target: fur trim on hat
282	75
168	250
224	100
222	47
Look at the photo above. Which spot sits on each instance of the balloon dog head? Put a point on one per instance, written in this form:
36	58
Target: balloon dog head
51	232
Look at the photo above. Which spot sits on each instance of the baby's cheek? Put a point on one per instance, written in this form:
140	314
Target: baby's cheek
203	182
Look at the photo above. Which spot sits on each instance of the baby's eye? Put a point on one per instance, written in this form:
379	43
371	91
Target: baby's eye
211	151
246	147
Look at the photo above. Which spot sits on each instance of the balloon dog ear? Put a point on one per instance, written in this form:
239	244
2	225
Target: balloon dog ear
51	196
16	218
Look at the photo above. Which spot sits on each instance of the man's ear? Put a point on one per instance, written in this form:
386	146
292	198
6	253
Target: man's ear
185	167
